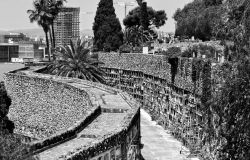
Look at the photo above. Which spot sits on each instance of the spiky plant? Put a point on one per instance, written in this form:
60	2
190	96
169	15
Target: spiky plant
75	60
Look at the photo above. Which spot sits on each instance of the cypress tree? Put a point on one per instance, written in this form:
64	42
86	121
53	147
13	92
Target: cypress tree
107	29
144	16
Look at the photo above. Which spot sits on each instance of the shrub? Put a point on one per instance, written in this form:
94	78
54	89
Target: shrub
125	48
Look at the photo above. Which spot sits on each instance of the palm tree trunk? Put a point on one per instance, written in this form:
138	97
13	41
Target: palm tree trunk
47	43
50	37
53	34
51	44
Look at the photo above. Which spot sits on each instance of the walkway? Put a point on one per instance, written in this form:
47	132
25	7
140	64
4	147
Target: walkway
158	144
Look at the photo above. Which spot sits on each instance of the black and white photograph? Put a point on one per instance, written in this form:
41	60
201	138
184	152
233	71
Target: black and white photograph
125	80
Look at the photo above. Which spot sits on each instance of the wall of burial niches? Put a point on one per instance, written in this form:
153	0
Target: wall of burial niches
42	107
154	65
172	102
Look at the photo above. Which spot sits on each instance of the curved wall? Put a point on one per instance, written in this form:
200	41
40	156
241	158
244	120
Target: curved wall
43	106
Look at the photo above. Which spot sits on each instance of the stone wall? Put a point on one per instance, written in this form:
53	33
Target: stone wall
43	106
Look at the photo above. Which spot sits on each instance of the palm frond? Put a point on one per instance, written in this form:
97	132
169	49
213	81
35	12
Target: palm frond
75	60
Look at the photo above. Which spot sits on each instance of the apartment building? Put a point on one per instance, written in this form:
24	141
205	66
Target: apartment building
67	26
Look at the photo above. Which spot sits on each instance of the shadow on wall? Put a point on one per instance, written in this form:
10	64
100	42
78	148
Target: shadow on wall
11	144
5	124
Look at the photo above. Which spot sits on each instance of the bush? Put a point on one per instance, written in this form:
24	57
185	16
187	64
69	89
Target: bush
125	48
137	49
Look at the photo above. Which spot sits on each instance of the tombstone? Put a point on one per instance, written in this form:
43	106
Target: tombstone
145	50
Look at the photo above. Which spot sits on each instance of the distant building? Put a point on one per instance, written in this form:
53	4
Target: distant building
67	26
8	51
1	38
15	37
31	50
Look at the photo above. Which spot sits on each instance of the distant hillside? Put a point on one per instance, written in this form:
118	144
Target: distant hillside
3	32
38	32
34	32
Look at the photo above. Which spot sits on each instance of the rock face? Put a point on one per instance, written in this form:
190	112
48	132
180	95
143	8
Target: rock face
5	124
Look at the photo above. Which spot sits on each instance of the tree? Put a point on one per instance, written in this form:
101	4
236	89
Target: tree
186	19
155	18
139	2
226	126
44	13
140	24
201	19
75	60
144	16
107	29
41	14
136	36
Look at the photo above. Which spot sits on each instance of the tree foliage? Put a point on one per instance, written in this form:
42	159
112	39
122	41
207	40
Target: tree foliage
155	18
136	36
144	16
213	2
227	112
226	102
107	29
140	24
41	15
44	13
201	19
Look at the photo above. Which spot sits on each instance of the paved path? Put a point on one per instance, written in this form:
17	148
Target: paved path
158	144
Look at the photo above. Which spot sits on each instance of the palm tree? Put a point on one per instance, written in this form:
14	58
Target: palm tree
75	60
42	16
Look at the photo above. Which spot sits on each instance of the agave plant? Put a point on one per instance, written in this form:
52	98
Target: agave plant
75	60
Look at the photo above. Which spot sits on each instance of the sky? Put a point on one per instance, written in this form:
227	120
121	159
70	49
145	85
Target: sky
13	12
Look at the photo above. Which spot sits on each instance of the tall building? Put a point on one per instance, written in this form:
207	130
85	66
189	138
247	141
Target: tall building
67	26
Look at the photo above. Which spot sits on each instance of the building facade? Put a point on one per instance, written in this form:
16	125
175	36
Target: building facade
8	51
67	26
31	50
